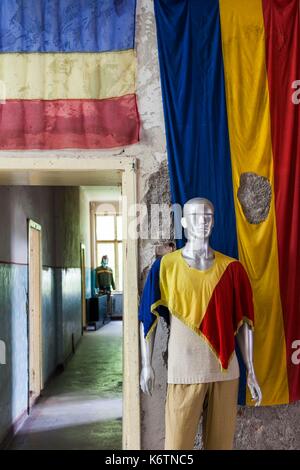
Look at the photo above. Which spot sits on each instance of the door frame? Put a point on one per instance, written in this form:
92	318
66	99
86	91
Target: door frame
83	285
25	169
31	224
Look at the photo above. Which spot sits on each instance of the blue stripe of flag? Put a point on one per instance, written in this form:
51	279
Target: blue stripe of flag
66	25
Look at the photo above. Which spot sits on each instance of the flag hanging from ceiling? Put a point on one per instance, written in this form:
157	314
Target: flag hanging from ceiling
229	72
67	74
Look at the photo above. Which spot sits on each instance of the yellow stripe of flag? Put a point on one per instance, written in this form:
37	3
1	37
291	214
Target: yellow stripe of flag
243	42
53	76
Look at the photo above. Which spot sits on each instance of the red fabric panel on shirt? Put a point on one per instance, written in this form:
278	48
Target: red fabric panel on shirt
230	303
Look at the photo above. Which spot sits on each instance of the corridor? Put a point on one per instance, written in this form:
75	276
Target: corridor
82	407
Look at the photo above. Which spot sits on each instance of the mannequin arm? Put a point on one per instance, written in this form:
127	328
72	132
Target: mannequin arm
245	342
147	373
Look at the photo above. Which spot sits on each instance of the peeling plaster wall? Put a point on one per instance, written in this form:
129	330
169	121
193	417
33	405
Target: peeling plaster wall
263	428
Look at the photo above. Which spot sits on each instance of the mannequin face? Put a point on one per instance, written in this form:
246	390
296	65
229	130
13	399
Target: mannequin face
198	219
104	261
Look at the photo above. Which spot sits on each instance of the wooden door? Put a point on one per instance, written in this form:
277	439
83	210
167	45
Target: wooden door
35	311
83	285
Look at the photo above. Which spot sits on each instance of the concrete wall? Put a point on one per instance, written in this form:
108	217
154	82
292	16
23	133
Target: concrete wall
57	210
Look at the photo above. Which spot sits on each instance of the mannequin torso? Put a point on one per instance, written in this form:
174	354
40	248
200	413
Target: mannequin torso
198	223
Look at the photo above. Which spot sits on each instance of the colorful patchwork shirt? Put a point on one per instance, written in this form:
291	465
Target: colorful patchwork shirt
214	303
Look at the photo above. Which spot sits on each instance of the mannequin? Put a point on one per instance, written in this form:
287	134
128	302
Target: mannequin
198	222
104	277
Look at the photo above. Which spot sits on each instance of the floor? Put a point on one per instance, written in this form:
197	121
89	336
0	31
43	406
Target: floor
82	407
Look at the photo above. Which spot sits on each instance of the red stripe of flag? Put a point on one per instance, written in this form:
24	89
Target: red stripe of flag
282	29
57	124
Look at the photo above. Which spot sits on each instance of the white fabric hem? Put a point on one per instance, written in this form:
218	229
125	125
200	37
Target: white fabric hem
205	379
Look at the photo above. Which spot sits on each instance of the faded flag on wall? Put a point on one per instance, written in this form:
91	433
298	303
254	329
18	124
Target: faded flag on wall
67	71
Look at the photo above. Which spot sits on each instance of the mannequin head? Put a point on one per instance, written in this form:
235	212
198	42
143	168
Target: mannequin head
198	218
104	261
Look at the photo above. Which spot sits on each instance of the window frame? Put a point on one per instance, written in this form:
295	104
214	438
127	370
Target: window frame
114	241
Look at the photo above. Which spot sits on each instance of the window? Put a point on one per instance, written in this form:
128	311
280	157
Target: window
109	242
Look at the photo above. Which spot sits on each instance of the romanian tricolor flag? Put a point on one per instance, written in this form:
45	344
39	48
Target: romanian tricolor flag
229	71
67	74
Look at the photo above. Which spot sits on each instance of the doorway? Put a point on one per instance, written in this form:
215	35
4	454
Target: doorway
35	377
41	170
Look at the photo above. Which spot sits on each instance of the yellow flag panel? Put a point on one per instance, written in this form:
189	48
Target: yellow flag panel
247	97
61	76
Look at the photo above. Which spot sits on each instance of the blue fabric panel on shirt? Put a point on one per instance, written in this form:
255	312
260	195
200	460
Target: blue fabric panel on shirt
193	89
150	295
66	25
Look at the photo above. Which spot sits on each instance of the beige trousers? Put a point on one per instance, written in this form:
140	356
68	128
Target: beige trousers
185	404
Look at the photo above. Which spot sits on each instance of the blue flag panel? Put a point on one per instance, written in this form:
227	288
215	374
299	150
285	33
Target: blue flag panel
66	25
193	87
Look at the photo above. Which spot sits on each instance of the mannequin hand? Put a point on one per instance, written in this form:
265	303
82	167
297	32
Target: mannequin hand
254	388
147	380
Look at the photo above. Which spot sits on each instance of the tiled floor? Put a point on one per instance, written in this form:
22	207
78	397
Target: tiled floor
82	407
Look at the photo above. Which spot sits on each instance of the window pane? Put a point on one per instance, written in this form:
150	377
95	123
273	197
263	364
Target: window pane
105	227
120	267
106	249
119	227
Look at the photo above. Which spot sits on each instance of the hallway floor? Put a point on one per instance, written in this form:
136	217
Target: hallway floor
82	407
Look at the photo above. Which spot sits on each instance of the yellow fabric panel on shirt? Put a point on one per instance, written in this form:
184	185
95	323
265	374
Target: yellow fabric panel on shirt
247	96
54	76
186	290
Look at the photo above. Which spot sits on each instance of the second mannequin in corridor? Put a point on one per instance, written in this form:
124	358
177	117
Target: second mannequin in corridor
207	298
